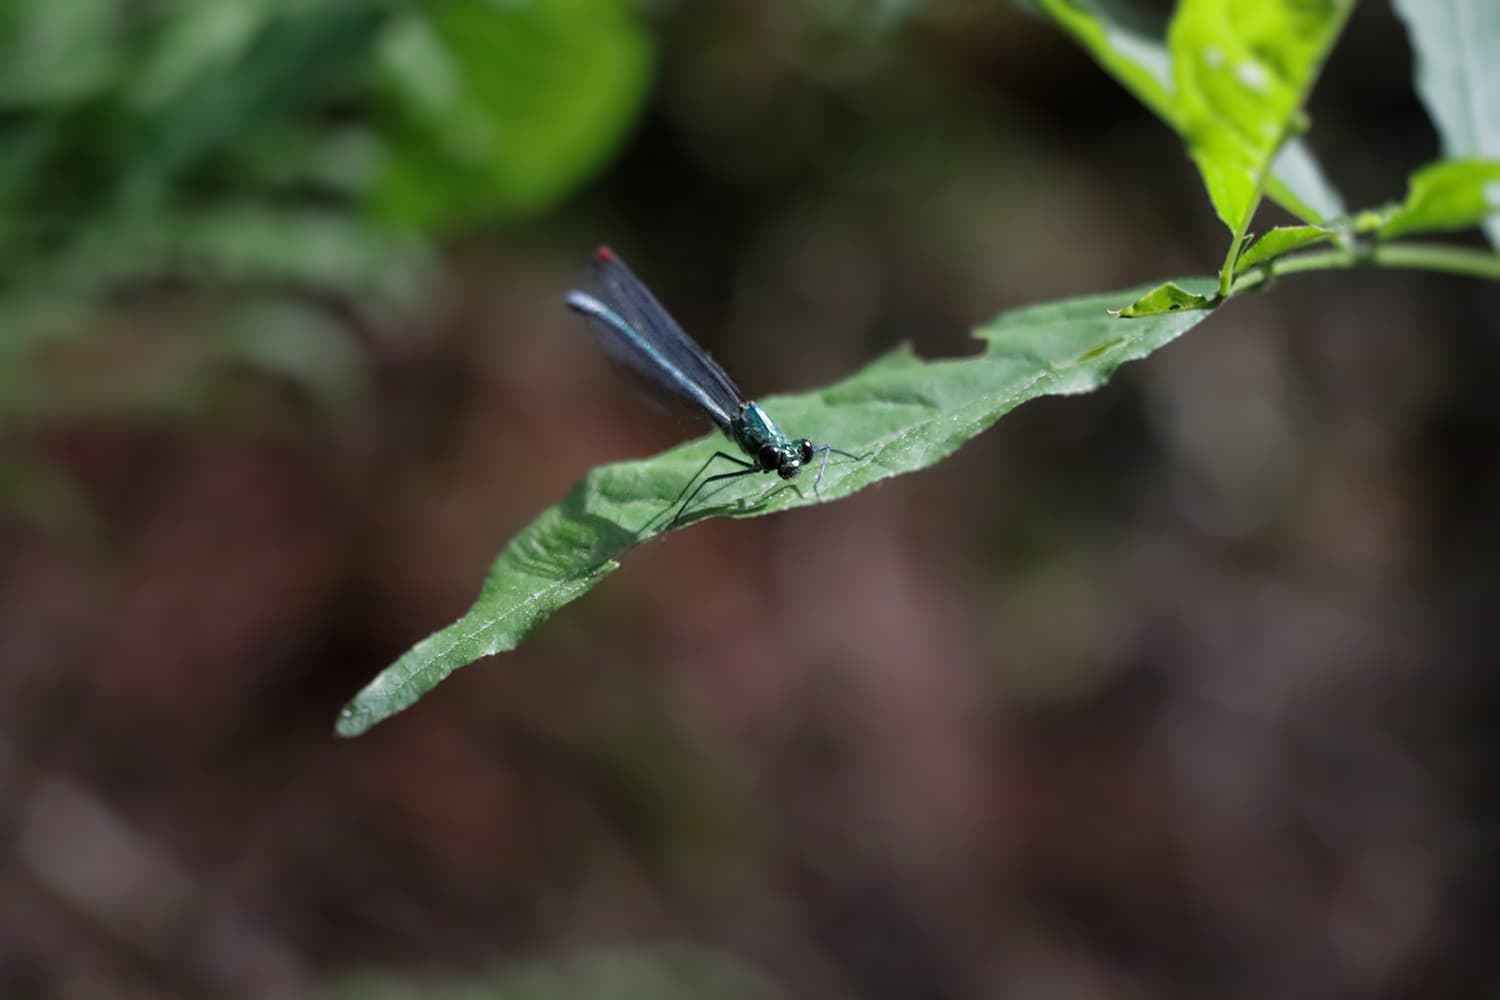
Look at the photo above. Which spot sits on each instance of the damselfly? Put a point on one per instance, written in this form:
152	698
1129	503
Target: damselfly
636	330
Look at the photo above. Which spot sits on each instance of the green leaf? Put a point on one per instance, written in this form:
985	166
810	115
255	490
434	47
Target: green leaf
1243	69
1168	297
194	113
56	53
499	110
1139	61
900	414
1280	241
245	253
193	43
1458	75
1445	196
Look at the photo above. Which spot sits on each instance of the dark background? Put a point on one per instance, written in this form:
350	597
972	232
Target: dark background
1184	688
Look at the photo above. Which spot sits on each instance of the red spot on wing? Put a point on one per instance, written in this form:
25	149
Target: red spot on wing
603	255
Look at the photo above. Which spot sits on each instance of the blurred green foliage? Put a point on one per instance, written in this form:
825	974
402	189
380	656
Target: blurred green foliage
662	973
498	110
300	154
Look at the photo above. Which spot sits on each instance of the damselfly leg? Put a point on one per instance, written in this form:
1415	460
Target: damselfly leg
828	450
745	469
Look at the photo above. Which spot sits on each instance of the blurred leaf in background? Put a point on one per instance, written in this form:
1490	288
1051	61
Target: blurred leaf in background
264	158
502	109
1458	75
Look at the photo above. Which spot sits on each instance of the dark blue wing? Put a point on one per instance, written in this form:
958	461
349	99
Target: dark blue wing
636	330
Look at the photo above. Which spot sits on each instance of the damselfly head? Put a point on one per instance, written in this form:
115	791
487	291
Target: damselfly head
785	458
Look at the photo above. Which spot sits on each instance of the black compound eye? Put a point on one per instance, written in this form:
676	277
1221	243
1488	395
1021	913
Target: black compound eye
768	457
804	449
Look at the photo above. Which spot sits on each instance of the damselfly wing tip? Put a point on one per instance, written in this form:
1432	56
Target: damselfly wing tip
603	254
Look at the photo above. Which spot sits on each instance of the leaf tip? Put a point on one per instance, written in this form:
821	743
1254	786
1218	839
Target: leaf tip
352	722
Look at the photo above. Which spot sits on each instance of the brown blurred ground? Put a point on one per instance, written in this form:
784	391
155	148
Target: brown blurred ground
1182	689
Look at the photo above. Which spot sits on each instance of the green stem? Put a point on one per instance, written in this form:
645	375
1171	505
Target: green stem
1464	261
1226	273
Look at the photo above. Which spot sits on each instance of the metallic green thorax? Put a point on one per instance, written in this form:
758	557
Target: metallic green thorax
759	437
755	428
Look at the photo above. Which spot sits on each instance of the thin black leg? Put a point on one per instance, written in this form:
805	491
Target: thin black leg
745	467
747	470
718	454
